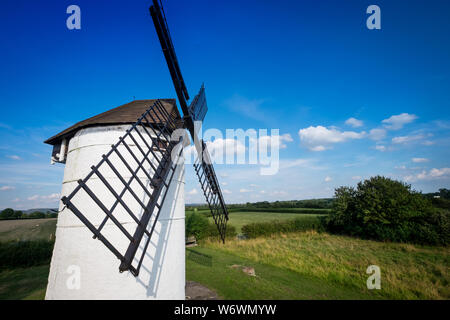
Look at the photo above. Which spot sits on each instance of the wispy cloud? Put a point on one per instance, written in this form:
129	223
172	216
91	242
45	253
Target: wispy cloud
192	192
355	123
14	157
6	188
407	139
397	122
377	134
420	160
249	108
380	147
433	174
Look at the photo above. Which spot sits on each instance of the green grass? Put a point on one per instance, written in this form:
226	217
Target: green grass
271	282
407	271
240	219
27	229
24	283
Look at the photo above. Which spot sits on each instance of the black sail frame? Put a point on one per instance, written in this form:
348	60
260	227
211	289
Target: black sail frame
154	161
203	166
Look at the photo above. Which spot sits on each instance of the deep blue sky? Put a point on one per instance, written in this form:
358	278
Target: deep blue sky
290	65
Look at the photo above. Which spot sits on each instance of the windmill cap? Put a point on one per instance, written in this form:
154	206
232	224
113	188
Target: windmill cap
125	114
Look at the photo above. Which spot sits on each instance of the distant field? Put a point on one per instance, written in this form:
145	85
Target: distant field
27	229
240	219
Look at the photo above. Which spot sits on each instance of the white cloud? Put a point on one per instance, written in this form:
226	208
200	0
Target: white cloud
356	178
226	191
5	188
328	179
407	139
225	147
279	193
320	138
47	198
244	190
433	174
380	148
420	160
14	157
274	141
193	192
398	121
377	134
355	123
16	200
253	185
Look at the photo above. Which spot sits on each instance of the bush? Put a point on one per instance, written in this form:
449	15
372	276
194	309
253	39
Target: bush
196	225
255	230
25	253
384	209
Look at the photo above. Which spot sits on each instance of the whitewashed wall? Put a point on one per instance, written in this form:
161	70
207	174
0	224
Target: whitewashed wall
162	275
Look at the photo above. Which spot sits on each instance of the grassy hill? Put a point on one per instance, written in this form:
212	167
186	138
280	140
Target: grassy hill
311	265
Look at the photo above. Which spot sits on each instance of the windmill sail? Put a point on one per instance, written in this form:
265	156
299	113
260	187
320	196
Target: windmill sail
195	112
146	152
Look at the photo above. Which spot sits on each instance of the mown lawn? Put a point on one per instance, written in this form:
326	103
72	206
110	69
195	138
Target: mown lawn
212	268
240	219
338	262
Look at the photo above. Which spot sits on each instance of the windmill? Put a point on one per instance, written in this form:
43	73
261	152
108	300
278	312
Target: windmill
124	184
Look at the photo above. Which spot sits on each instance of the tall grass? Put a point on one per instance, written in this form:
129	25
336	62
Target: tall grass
16	254
407	271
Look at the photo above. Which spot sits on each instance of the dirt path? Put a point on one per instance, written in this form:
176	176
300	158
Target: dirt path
196	291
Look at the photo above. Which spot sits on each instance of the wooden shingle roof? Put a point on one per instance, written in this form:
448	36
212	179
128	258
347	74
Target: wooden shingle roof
124	114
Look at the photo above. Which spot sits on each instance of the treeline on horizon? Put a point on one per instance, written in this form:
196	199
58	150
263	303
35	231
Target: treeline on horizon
11	214
440	199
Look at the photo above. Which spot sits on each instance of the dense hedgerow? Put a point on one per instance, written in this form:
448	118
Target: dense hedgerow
198	225
282	210
15	254
254	230
384	209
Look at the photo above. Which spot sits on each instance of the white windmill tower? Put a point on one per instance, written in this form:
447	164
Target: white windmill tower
124	183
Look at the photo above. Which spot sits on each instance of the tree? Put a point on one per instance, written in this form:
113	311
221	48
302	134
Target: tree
7	213
444	193
18	214
36	215
384	209
196	225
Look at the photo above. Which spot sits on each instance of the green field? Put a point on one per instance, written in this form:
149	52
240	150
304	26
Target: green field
27	229
305	265
240	219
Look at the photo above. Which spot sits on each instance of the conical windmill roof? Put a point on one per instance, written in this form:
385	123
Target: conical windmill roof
124	114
